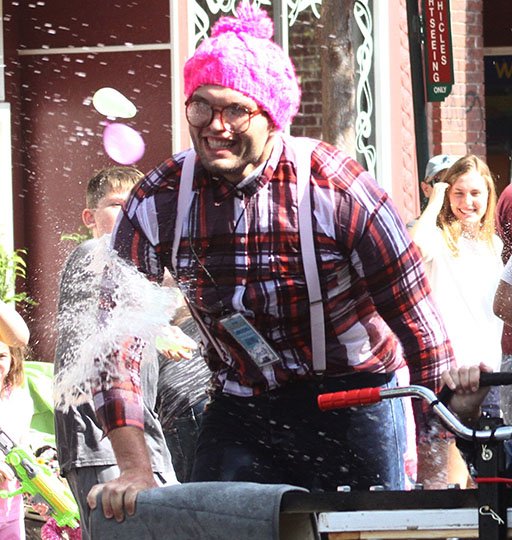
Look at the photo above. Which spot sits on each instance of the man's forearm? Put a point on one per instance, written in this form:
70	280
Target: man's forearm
130	448
119	496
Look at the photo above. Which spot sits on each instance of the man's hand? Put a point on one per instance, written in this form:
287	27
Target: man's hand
120	495
174	344
438	194
132	455
467	394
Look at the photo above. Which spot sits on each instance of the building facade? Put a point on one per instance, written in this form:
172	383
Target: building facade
57	54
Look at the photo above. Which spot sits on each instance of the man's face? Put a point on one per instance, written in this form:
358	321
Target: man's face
101	220
231	155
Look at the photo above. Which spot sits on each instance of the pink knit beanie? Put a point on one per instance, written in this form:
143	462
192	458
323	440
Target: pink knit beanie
240	55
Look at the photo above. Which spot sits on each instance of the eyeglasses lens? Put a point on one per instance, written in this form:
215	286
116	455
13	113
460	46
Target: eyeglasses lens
235	119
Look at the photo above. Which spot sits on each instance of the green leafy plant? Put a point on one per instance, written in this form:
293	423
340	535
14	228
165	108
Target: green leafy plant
12	267
80	236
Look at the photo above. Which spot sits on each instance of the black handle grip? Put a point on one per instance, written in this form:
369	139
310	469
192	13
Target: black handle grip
499	378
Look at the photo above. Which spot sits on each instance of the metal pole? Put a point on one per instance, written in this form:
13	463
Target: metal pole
418	88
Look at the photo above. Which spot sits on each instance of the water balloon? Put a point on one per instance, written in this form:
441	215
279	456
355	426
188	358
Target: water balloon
110	102
123	144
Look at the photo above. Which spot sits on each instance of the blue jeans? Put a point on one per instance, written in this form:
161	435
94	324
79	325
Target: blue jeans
282	437
181	440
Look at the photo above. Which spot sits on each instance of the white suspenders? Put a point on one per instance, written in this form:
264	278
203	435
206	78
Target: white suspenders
184	201
185	197
303	149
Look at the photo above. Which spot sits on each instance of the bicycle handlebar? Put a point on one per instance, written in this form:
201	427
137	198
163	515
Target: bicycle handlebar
499	378
367	396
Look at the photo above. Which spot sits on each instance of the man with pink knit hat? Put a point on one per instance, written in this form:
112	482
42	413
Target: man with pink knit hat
299	273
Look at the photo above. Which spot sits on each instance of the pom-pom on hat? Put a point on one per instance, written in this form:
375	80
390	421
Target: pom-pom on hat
241	55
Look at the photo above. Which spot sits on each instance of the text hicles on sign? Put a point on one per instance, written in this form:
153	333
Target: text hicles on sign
438	49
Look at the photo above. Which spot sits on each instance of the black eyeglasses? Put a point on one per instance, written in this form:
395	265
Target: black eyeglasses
235	118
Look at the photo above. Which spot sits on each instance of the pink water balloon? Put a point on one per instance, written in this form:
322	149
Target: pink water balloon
123	144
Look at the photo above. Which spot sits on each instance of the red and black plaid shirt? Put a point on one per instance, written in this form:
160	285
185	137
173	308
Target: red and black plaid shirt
240	251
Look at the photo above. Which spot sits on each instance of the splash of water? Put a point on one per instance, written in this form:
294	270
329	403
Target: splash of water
91	336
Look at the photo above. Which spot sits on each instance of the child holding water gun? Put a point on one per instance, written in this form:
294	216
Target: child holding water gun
16	410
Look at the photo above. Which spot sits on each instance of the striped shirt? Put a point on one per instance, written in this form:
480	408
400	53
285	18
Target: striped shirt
240	252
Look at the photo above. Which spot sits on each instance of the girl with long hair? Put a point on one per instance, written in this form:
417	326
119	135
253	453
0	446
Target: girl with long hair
16	410
462	256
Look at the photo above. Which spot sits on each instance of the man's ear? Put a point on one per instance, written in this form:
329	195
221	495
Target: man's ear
88	218
426	188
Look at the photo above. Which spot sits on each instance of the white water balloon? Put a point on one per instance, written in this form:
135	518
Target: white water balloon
110	102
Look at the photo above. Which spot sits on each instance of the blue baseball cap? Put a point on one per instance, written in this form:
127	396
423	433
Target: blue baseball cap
439	163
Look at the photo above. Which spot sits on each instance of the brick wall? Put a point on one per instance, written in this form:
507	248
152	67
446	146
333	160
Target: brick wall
458	123
306	56
456	126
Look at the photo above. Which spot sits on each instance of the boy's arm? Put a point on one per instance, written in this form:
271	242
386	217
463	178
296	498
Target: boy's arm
13	330
467	393
119	404
393	269
502	305
118	400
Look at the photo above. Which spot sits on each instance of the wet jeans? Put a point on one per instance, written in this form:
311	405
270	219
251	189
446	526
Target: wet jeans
181	440
282	437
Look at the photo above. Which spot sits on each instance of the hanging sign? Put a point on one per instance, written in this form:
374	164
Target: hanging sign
438	49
